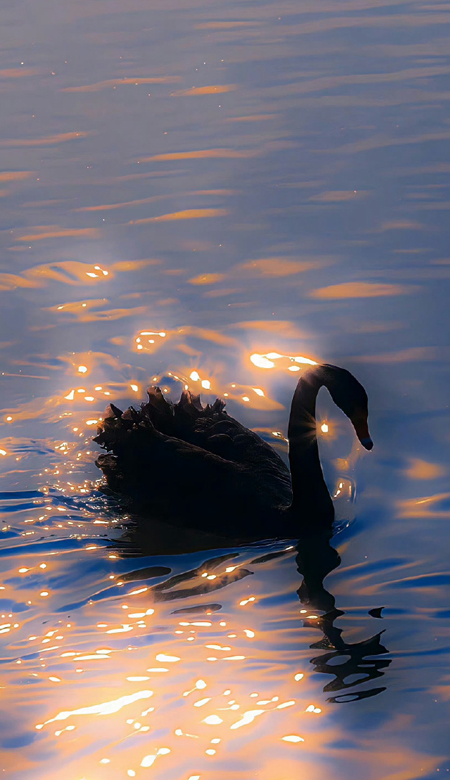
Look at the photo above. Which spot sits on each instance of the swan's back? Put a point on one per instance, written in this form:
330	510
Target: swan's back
198	462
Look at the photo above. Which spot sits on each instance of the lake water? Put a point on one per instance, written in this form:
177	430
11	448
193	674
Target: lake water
186	185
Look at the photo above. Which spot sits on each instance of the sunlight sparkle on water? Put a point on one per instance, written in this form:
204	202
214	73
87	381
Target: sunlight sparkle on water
108	232
292	738
149	760
106	708
267	360
247	717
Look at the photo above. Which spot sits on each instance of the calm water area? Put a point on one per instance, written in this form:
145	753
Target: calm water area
196	193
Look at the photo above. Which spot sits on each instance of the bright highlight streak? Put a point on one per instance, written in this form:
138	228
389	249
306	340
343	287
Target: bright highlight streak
107	708
266	361
261	362
306	361
247	718
292	738
149	760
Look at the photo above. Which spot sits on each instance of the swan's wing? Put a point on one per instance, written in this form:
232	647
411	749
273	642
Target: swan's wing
151	456
188	455
210	428
172	478
227	437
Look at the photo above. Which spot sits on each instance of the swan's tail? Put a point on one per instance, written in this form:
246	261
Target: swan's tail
158	415
151	456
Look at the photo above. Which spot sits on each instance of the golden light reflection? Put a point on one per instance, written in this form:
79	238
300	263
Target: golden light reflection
202	154
15	175
106	708
422	469
100	85
216	716
199	685
149	339
256	397
207	279
361	290
58	233
150	759
94	310
292	738
268	359
272	267
49	140
71	272
181	215
216	89
434	506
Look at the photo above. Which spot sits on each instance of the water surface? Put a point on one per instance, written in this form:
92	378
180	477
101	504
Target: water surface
186	185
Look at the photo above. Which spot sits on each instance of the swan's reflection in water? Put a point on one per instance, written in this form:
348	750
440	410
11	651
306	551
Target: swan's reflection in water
350	664
315	559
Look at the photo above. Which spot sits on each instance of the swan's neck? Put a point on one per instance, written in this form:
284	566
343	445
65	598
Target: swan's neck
311	499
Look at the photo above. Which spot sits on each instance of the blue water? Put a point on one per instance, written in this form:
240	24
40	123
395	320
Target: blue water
185	186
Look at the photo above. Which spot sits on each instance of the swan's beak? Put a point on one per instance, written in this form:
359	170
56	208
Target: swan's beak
362	432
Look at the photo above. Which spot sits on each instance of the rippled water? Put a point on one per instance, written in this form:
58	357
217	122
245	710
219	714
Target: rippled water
185	185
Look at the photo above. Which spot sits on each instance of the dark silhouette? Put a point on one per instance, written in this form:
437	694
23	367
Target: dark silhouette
198	467
315	559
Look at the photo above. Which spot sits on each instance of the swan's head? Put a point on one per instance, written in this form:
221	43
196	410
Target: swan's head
350	396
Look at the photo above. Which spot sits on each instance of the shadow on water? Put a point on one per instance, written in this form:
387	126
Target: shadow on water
350	664
315	559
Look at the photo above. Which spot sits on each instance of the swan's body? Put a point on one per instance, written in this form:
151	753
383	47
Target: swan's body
200	467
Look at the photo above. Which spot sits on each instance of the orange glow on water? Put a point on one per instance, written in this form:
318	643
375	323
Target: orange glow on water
269	359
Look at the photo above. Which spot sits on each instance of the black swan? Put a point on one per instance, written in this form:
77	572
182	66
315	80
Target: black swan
197	466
